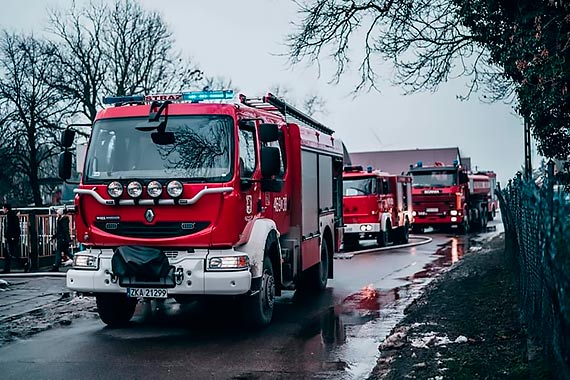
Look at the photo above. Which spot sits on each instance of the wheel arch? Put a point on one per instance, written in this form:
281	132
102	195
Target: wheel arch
264	232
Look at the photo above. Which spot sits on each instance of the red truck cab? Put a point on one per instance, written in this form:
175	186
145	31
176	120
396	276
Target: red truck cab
377	205
445	196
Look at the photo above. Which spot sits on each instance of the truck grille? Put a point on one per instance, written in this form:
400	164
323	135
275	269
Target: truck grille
440	202
157	230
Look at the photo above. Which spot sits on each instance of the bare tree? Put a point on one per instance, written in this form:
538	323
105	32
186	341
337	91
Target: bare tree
140	53
217	83
80	55
311	104
314	104
120	49
32	109
422	38
515	50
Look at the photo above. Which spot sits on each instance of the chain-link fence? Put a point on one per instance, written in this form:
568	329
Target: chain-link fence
537	225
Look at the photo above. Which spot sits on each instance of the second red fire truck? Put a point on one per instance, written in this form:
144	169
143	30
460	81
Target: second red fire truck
447	196
377	206
184	198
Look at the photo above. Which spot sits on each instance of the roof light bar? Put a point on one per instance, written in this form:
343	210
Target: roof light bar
196	96
191	96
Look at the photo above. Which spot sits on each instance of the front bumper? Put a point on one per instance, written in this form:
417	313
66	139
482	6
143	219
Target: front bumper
361	228
195	279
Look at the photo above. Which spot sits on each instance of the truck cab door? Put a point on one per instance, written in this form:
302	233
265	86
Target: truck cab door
247	166
277	204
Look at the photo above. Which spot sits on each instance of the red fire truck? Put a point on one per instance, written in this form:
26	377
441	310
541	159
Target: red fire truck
493	205
181	197
377	206
447	196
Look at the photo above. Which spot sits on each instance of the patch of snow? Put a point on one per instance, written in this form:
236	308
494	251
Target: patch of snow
461	339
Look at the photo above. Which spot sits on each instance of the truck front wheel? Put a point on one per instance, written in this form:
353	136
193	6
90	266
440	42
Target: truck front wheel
115	310
404	233
465	226
259	306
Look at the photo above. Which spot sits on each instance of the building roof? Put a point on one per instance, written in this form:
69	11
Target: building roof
398	161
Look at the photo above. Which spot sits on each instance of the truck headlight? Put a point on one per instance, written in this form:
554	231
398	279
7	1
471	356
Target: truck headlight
154	189
174	189
115	189
453	212
134	189
228	262
85	261
366	227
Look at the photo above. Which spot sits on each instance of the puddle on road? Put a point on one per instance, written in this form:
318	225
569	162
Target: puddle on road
447	255
347	335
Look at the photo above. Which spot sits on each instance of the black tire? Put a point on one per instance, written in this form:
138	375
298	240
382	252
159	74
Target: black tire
492	214
259	307
316	277
350	242
484	220
383	237
115	310
404	233
465	226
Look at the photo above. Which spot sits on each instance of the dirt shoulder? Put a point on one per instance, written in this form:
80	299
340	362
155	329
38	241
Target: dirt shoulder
465	326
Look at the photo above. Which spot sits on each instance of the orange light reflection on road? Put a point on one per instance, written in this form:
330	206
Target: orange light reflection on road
454	251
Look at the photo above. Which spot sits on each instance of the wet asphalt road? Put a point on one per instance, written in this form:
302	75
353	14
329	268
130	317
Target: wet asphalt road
334	335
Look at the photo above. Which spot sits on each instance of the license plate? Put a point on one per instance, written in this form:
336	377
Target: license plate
433	209
147	292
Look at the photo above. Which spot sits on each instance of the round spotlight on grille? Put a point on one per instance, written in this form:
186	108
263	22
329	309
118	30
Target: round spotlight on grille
115	189
174	189
134	189
154	189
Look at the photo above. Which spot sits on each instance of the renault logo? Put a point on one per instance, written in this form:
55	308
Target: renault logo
149	215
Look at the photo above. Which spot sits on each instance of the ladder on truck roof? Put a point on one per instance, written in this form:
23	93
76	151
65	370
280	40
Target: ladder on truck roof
273	104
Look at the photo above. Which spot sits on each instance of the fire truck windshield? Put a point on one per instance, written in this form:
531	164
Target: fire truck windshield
202	150
359	186
438	178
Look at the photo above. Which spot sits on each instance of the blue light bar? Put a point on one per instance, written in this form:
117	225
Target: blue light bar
191	96
123	99
196	96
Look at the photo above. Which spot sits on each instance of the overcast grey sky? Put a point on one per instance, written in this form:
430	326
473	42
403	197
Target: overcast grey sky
242	40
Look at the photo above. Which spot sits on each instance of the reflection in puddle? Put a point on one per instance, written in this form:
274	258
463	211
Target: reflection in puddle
448	255
351	331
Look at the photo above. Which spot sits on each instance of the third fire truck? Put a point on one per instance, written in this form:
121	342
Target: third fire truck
447	196
183	196
377	206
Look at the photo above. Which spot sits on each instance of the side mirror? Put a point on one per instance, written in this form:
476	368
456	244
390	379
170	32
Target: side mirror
65	160
163	138
270	161
67	138
268	132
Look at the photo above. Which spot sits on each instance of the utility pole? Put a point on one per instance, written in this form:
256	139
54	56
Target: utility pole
527	152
